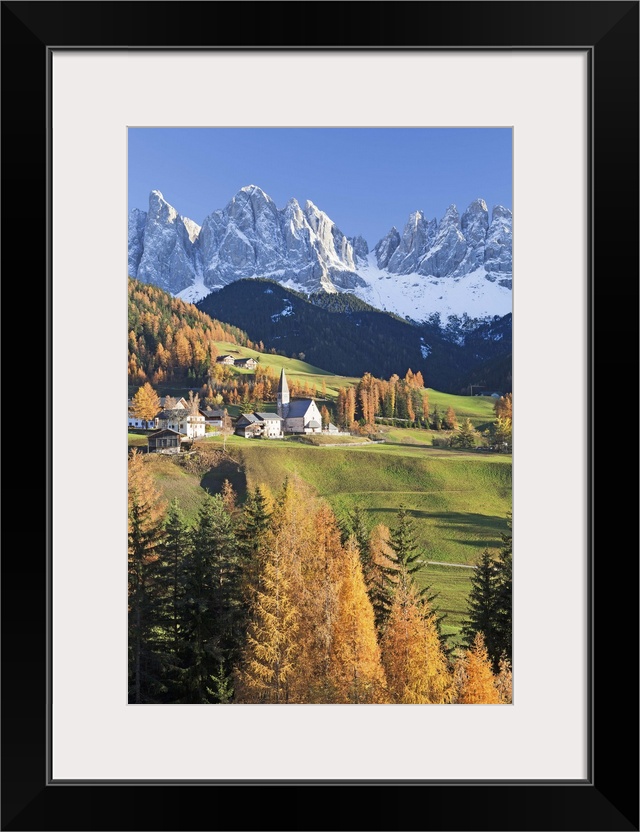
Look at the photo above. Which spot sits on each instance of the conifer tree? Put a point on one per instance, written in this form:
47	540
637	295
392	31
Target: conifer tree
212	602
356	667
481	603
174	551
272	645
146	513
489	606
504	601
381	575
355	525
229	497
322	565
404	544
251	534
451	419
416	667
146	403
475	680
504	682
466	436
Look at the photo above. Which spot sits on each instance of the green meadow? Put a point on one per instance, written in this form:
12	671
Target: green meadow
459	500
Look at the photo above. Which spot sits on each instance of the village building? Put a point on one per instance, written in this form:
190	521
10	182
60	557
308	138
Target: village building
253	425
299	415
136	422
183	421
225	359
213	418
331	428
246	363
164	441
180	404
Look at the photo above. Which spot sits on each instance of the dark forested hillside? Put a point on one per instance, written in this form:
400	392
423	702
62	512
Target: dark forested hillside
344	334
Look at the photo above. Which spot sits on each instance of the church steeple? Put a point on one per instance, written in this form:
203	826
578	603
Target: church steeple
283	396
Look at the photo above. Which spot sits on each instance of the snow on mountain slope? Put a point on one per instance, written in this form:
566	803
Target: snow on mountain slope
417	296
460	264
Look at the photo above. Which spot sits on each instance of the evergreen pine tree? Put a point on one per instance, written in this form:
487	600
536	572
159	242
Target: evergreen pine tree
173	551
481	603
405	546
146	513
212	602
504	602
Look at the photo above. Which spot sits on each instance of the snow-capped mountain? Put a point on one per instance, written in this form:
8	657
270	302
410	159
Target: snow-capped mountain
456	265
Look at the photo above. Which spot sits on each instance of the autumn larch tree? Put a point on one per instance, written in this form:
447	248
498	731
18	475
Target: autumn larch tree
146	403
146	514
272	645
356	666
416	667
425	408
229	497
503	407
451	420
322	565
475	680
504	682
326	416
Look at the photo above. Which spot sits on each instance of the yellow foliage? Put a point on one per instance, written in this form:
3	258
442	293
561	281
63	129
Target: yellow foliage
475	680
416	667
356	667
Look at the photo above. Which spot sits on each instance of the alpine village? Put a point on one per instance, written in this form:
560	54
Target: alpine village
319	525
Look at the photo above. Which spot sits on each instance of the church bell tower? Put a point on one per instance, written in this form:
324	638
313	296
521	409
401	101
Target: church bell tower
283	396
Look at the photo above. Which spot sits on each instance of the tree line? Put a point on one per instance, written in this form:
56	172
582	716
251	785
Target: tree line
170	340
275	601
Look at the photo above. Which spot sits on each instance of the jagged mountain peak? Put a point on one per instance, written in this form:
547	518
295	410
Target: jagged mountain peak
303	248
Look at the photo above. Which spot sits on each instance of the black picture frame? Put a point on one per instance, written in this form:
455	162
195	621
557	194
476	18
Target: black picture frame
608	798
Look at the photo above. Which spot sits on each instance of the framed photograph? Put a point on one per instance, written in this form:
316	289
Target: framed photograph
93	82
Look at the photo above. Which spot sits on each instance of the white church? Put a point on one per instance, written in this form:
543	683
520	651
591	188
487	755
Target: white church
297	416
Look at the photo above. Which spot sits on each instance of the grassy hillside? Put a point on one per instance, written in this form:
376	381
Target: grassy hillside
459	500
478	408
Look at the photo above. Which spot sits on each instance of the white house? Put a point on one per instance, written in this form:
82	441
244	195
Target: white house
183	421
267	425
136	422
299	415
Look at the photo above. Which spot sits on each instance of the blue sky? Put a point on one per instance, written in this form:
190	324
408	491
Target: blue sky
365	179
